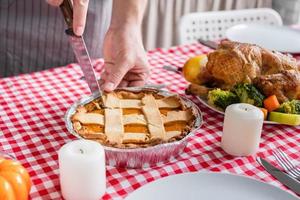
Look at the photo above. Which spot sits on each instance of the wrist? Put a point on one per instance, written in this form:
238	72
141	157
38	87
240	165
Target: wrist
127	13
125	25
126	29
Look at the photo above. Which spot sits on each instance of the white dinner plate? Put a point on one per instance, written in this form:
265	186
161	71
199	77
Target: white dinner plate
204	102
279	38
209	186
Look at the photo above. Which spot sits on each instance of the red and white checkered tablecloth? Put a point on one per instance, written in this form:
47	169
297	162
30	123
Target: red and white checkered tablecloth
32	109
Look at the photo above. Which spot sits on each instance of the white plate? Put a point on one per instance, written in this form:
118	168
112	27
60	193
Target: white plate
204	102
209	186
279	38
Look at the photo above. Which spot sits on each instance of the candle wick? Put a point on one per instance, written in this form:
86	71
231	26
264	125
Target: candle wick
81	151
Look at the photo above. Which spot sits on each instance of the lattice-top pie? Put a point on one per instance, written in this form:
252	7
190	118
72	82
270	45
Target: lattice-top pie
133	119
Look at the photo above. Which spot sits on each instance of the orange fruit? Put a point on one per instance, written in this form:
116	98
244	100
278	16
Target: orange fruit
192	68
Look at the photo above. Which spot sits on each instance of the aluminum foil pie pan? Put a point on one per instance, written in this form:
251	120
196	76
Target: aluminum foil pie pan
144	156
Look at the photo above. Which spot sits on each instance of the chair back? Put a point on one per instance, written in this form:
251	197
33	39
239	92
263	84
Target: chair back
213	25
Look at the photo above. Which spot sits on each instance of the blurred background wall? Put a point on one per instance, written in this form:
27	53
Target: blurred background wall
288	9
160	23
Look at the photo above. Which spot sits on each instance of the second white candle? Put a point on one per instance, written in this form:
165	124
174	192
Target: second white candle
242	129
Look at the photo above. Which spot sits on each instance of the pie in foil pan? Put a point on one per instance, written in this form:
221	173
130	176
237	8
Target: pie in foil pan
138	127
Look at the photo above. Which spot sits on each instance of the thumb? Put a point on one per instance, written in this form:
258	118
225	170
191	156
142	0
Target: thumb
114	74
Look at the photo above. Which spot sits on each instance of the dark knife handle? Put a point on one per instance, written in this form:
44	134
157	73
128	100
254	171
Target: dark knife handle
208	43
67	11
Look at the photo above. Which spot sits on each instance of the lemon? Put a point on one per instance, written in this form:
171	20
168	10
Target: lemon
284	118
192	68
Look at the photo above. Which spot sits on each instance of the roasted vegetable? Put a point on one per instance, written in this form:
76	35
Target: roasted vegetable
221	98
290	107
265	112
271	103
247	93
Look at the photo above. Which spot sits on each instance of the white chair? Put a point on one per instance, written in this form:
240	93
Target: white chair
213	25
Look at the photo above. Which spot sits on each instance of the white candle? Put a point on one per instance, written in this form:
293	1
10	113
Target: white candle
242	129
82	170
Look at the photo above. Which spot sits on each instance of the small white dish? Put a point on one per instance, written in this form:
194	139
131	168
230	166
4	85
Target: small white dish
279	38
212	186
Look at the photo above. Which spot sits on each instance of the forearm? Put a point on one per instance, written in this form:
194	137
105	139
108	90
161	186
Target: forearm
127	12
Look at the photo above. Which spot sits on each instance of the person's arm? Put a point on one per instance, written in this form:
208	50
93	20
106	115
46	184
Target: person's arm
127	12
125	58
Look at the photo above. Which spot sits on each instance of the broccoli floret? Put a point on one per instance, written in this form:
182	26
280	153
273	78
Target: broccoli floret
290	107
221	98
247	93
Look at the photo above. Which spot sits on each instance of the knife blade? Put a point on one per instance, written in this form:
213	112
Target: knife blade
208	43
79	48
282	177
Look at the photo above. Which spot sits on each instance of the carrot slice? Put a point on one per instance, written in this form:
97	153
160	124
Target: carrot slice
271	103
265	112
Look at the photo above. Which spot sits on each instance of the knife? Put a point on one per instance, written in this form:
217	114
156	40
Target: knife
282	177
172	69
208	43
79	48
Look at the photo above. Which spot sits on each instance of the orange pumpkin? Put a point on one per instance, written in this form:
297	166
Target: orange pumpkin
15	182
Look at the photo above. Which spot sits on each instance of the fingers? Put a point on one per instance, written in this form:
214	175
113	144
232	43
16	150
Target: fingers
124	83
124	74
80	8
135	75
138	83
136	79
54	2
115	74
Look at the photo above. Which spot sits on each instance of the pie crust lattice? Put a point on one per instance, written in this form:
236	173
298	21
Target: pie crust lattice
133	119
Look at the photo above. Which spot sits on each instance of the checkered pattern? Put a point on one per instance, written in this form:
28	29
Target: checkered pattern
32	109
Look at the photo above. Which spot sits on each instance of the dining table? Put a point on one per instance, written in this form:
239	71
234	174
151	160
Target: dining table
32	129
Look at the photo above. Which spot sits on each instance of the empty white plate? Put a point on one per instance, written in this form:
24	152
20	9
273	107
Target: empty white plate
279	38
212	186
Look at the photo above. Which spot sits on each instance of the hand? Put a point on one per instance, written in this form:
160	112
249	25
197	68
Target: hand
125	58
80	8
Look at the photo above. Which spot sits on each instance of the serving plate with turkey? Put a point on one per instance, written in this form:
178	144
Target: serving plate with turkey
246	73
